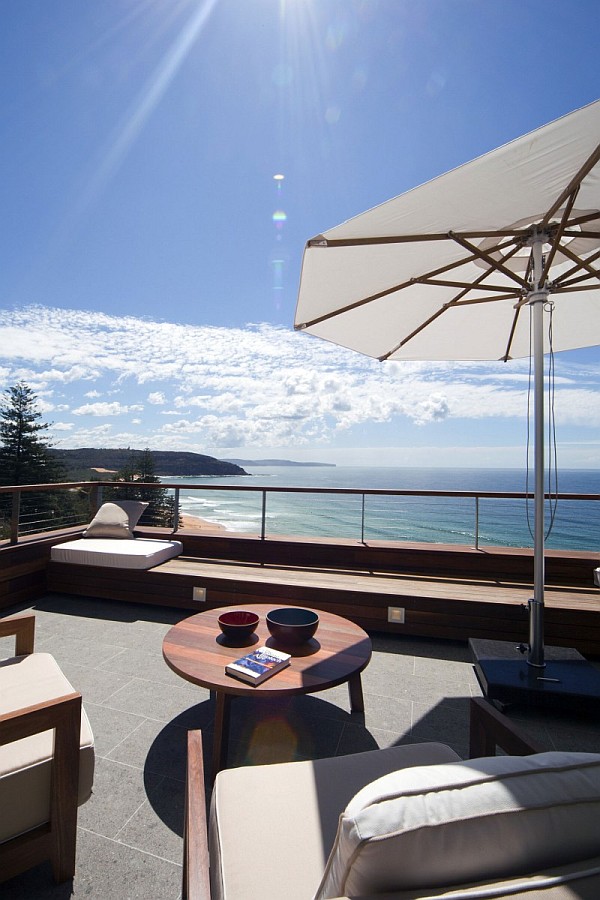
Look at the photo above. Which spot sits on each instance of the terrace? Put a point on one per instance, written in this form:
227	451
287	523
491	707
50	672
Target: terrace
416	686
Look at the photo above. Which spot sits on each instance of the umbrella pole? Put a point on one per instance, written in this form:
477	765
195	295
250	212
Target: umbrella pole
537	299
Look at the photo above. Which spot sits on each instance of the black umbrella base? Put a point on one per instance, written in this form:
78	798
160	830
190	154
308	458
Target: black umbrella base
567	681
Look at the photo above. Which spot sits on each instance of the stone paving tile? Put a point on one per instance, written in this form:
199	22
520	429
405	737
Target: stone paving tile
429	689
110	726
157	825
108	868
429	648
94	685
446	669
71	649
162	703
154	747
146	662
390	662
388	713
356	738
119	792
446	721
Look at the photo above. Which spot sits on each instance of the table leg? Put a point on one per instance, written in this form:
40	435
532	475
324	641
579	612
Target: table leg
357	703
221	736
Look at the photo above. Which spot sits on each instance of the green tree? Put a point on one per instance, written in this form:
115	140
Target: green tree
140	470
25	457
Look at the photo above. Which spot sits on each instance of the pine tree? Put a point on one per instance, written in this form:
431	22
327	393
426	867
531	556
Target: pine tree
140	470
25	457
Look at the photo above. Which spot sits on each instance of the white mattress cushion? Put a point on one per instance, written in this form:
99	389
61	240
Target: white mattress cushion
447	825
142	553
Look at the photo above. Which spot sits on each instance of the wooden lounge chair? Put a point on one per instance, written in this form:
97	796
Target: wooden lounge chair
46	758
407	822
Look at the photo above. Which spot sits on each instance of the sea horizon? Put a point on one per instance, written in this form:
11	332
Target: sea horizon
576	524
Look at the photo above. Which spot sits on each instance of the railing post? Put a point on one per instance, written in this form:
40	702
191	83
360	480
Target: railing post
176	511
477	522
362	520
263	524
95	499
14	518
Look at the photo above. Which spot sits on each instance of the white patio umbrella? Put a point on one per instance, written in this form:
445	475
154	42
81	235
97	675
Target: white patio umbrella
468	267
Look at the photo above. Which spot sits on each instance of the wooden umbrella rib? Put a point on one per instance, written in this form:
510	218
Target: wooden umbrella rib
514	245
324	243
469	286
557	237
575	182
385	293
581	264
566	279
511	336
459	300
495	298
486	257
565	289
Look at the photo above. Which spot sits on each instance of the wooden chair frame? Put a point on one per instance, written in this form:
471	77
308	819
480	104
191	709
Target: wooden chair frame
489	730
55	840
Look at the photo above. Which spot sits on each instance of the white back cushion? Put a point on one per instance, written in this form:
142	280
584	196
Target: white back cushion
437	826
115	519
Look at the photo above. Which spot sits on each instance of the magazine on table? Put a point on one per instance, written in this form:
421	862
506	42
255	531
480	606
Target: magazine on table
259	665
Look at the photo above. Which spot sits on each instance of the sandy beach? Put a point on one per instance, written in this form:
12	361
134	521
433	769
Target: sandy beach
193	523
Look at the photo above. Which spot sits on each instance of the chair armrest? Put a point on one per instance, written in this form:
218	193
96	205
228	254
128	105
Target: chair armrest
196	881
62	714
23	627
490	729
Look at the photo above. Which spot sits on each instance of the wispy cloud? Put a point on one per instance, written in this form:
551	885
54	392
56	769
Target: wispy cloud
175	386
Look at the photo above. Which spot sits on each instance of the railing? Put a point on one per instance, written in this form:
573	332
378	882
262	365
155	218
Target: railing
29	509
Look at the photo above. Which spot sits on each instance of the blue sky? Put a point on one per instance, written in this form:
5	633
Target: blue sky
150	258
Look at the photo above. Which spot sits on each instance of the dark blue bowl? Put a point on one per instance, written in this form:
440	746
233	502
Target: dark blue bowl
291	625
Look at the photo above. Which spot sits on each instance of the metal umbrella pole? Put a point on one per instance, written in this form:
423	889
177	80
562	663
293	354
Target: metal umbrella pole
537	299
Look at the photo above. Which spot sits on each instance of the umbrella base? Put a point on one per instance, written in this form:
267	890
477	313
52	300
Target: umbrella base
568	680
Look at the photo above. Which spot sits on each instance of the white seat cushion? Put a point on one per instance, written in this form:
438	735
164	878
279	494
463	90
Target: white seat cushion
25	765
272	827
470	821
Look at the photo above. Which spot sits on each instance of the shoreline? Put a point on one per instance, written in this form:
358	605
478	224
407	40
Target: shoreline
195	523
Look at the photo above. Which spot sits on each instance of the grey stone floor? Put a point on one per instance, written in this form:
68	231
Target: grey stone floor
130	831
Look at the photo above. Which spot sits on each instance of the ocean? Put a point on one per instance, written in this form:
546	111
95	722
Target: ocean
576	524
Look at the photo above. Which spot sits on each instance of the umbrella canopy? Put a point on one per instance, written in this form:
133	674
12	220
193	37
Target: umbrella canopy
451	269
435	273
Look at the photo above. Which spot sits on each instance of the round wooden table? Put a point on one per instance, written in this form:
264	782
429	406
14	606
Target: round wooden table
197	650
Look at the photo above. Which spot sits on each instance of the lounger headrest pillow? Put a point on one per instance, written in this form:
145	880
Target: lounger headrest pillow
115	520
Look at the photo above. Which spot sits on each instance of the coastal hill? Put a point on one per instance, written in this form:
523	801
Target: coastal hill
166	462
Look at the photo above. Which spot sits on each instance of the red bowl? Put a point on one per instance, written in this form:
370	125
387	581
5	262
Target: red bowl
238	623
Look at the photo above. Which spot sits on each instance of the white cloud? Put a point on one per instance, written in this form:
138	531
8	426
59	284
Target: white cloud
101	409
262	385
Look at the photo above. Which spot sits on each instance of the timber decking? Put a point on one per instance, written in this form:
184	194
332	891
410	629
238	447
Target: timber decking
447	607
446	591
